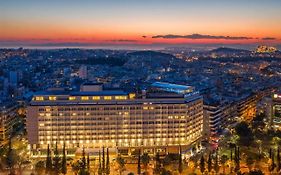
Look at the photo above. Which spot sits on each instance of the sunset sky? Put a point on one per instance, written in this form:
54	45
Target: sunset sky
139	22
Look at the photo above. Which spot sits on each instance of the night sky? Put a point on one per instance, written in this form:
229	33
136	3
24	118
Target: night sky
133	22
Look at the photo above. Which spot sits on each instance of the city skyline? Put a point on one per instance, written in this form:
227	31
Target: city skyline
134	23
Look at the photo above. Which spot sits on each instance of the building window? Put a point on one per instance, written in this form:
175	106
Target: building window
52	98
96	98
39	98
120	97
71	98
107	97
131	96
85	98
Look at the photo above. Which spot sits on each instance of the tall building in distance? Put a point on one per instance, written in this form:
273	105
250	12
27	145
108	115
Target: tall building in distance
164	116
13	78
83	72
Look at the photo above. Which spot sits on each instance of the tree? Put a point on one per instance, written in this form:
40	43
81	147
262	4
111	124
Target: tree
202	164
278	160
121	163
255	172
145	160
157	168
49	165
216	164
130	173
180	162
10	160
237	159
249	162
63	162
39	167
75	167
83	160
231	154
223	160
245	133
272	163
88	163
56	160
103	160
166	172
107	170
83	164
139	163
210	163
99	169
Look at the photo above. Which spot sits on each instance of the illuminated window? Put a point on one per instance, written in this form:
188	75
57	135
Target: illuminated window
85	98
275	96
131	96
96	98
39	98
52	98
120	97
145	108
71	98
107	97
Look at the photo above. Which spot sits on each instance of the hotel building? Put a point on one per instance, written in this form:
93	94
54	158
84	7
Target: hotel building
166	115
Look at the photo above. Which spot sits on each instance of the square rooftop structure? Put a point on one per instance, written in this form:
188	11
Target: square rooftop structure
176	88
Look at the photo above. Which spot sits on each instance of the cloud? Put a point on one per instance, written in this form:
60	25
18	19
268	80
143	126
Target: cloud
123	40
144	36
269	38
200	36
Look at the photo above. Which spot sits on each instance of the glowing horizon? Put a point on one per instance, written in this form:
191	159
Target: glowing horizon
140	22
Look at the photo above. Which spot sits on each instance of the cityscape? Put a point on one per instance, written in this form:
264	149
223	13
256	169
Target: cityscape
140	87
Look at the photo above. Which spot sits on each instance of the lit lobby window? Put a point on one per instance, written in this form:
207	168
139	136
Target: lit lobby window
107	97
96	97
71	98
52	98
85	98
131	96
120	97
39	98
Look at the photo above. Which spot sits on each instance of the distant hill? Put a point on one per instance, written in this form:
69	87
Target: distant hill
150	60
227	50
150	54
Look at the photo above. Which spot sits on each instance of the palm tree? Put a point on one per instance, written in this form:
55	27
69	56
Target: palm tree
145	160
121	163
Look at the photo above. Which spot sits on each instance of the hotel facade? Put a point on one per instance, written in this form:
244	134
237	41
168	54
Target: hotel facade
116	119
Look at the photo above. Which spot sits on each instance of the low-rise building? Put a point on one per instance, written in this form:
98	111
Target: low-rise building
8	119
